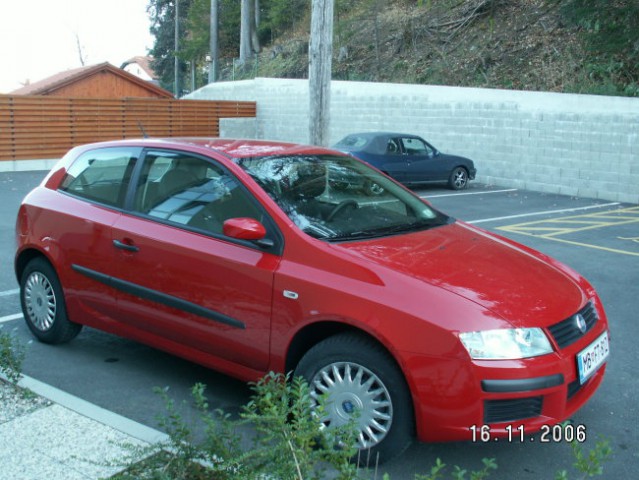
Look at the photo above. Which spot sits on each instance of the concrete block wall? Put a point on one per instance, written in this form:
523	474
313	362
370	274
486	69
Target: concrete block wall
581	145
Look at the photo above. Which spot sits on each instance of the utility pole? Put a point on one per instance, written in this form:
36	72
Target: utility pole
320	53
176	62
213	66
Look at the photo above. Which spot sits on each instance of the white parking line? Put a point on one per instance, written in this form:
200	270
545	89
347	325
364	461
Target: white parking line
546	212
468	193
8	293
8	318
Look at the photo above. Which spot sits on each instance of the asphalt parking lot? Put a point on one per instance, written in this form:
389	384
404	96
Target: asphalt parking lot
598	238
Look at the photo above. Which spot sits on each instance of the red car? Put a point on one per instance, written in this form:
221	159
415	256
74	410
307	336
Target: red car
240	256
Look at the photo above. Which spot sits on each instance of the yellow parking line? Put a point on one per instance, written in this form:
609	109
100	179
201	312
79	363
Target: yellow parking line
633	212
547	229
531	230
618	217
577	222
599	225
590	245
581	244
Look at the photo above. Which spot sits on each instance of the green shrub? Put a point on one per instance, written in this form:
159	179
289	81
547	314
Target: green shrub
610	36
590	463
11	356
288	443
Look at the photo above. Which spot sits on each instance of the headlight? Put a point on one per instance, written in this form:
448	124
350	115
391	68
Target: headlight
505	344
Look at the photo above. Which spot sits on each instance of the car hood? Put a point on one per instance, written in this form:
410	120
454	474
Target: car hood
510	282
456	159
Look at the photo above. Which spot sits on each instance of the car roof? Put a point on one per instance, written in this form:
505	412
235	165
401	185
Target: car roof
381	134
231	148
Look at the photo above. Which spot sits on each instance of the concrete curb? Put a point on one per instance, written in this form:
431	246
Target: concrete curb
70	439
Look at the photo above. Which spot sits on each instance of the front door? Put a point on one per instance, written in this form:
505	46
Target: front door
180	278
422	162
395	163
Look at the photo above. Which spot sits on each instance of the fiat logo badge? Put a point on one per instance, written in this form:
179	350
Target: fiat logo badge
581	322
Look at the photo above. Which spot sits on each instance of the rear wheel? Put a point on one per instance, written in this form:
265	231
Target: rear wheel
43	304
361	382
458	178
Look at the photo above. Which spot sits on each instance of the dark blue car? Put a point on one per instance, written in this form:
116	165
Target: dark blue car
409	159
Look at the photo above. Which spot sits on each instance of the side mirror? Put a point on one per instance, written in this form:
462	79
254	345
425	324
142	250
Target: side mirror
244	229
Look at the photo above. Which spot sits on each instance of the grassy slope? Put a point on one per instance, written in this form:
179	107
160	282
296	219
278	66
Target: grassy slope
517	44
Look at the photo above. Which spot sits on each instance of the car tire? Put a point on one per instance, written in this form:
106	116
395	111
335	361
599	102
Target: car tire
354	371
458	179
43	304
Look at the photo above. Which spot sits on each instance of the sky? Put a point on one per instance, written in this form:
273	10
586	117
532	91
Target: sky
38	37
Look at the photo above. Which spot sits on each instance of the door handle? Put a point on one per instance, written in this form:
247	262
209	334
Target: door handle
125	246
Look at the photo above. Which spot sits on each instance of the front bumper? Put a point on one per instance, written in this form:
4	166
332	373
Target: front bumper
454	398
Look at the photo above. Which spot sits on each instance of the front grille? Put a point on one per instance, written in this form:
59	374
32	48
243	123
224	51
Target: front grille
498	411
567	331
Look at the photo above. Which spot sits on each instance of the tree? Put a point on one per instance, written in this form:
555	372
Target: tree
197	45
202	28
610	33
245	32
229	27
320	67
213	43
162	16
81	55
249	41
255	24
282	15
176	49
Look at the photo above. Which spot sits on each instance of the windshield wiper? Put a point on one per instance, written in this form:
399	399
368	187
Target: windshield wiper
389	230
360	235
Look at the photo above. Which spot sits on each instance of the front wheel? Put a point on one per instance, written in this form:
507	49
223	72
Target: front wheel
458	179
43	304
361	382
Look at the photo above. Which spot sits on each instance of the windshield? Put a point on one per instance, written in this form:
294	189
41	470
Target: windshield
338	198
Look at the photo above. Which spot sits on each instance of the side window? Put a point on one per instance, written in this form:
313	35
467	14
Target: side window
191	191
101	175
414	146
392	148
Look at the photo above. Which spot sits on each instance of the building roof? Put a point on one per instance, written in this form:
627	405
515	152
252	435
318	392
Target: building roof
55	82
144	63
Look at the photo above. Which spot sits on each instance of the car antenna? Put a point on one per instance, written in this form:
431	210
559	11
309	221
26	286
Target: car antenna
141	127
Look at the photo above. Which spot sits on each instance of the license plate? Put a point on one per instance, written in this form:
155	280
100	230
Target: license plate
592	357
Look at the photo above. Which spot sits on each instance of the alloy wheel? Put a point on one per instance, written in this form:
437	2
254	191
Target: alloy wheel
354	393
459	178
40	301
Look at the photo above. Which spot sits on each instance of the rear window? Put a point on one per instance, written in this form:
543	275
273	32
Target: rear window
101	175
353	141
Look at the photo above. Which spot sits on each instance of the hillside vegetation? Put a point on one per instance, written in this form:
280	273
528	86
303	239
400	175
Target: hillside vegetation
581	46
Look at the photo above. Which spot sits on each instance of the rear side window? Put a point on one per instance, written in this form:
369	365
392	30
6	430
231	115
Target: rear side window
101	175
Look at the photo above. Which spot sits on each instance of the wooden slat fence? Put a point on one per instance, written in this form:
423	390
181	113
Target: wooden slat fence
37	127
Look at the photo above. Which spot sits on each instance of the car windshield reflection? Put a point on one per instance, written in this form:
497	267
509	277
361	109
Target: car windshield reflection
328	197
